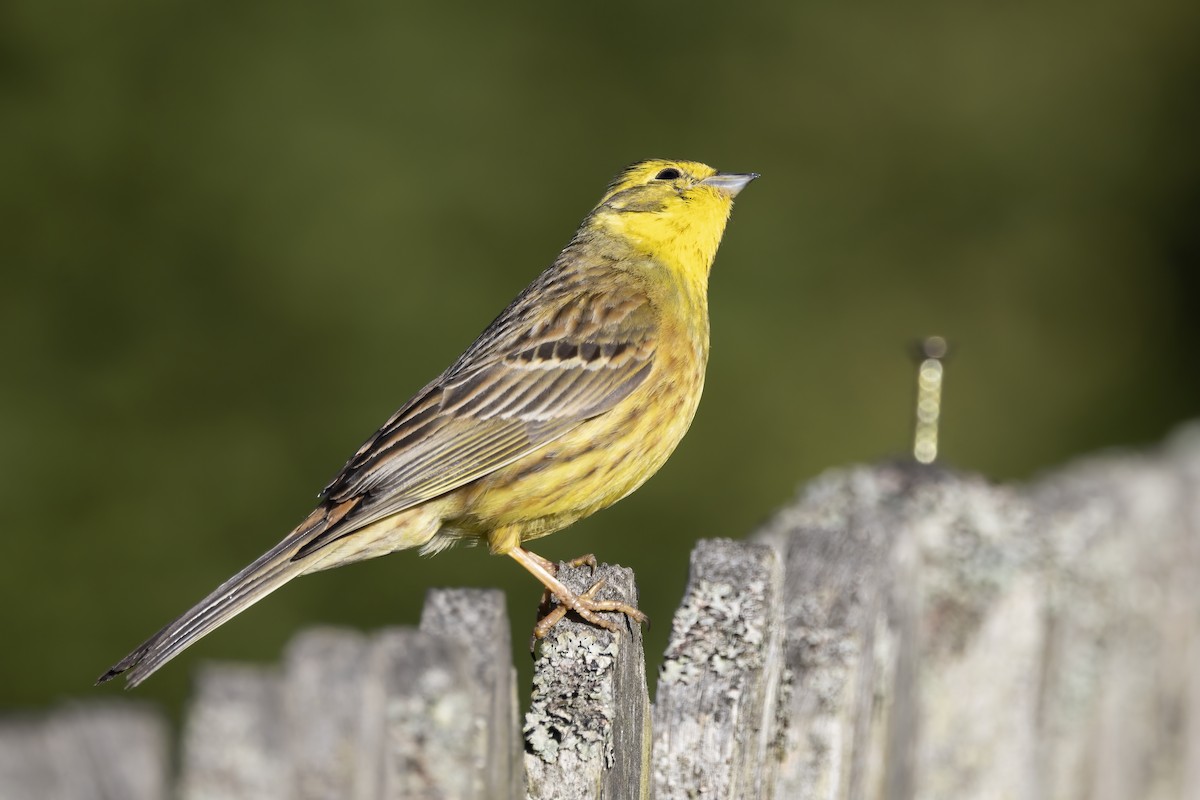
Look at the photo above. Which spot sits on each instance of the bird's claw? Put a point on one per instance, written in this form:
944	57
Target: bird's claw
585	605
588	561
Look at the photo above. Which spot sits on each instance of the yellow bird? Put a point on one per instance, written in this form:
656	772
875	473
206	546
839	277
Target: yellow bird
573	397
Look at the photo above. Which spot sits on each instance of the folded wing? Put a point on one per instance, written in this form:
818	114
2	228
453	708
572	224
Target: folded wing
521	391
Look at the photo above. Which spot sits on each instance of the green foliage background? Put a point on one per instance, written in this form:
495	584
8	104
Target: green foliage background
236	235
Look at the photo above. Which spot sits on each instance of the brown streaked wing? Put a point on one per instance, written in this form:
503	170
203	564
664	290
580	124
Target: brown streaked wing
526	393
411	419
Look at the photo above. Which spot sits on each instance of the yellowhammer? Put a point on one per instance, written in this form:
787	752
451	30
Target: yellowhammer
573	397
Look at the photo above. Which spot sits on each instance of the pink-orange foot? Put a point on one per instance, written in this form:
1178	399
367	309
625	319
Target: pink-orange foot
583	604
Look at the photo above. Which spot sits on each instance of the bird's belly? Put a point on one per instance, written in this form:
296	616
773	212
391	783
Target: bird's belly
590	468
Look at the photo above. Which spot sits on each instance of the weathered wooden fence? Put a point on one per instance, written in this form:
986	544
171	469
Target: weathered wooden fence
896	632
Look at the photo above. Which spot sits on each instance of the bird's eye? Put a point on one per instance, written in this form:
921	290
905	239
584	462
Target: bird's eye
668	174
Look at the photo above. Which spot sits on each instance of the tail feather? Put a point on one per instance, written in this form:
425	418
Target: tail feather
266	574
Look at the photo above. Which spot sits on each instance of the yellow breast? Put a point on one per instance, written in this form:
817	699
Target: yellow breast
602	460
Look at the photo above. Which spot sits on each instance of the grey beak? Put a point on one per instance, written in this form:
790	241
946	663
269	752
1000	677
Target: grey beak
730	182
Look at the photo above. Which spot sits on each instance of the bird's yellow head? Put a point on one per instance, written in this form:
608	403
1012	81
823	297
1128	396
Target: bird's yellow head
673	210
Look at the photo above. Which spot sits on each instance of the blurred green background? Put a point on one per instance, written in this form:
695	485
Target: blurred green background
237	235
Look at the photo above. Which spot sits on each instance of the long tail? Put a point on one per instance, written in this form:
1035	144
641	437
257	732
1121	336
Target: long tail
268	572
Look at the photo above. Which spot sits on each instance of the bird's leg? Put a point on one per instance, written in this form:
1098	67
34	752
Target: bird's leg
588	560
556	613
584	604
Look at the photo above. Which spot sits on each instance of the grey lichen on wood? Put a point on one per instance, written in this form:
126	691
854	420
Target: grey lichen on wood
421	706
401	714
323	710
893	573
233	737
439	707
897	632
950	638
587	731
93	751
1120	690
716	703
477	617
833	594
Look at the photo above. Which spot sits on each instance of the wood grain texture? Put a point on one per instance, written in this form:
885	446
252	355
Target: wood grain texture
587	730
947	637
233	737
896	632
324	674
477	617
716	703
92	751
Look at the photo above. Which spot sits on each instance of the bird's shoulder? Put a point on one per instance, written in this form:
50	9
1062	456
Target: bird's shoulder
576	303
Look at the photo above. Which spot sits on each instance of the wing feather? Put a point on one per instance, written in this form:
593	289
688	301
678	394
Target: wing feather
505	399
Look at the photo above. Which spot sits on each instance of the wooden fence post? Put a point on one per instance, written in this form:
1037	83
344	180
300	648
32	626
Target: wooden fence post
587	732
717	697
92	751
478	617
952	638
898	632
324	670
427	714
233	736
